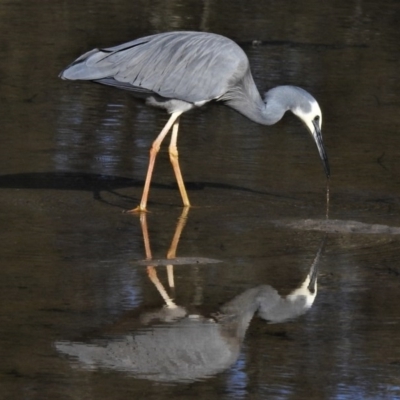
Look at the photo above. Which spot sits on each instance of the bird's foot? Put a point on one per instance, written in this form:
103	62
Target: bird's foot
136	210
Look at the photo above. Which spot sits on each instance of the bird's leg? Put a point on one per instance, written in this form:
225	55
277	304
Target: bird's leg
145	234
173	156
151	271
174	244
153	153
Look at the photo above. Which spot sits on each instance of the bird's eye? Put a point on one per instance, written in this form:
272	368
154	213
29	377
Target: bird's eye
317	118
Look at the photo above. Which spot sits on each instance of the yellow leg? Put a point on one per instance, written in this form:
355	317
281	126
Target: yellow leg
172	249
173	156
151	272
178	231
145	233
170	275
153	154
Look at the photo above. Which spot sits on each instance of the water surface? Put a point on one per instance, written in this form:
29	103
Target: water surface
73	157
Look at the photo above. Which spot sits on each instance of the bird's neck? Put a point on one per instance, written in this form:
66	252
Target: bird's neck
248	102
237	313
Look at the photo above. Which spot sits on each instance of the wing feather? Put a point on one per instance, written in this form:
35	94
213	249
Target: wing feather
189	66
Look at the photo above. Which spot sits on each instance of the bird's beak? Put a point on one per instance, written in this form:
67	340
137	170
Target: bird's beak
317	135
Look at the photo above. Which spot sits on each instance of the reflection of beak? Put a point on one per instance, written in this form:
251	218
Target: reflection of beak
320	144
312	275
312	286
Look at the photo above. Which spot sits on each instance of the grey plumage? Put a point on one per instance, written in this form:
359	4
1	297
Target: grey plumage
173	65
188	349
193	347
182	70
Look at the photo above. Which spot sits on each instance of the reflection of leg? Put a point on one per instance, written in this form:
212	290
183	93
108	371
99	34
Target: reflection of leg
178	231
145	233
151	271
175	240
170	274
153	153
173	156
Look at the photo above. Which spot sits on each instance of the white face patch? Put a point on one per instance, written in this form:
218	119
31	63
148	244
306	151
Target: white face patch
304	292
309	116
317	112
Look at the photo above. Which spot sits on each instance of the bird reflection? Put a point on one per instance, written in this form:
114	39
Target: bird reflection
174	346
171	311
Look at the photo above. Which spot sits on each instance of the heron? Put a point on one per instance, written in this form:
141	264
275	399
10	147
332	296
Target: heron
180	71
175	346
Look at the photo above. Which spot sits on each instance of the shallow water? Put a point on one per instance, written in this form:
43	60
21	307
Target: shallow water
74	155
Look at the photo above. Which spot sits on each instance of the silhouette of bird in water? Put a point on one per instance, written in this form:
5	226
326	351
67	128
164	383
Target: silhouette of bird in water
178	347
179	71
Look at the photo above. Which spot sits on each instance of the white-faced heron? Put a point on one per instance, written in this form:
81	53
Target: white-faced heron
178	347
179	71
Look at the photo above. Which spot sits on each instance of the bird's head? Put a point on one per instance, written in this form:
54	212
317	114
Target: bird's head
309	112
284	98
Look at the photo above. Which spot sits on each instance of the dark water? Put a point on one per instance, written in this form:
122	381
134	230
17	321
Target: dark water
74	155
